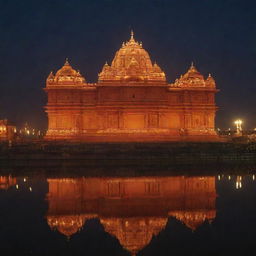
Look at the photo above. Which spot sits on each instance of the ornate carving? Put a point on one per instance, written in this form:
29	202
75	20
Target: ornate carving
65	76
210	82
193	78
67	225
132	64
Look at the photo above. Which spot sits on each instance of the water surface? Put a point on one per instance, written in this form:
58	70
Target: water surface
142	215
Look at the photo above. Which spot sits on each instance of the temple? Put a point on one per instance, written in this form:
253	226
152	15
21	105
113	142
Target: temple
132	101
7	130
6	182
133	210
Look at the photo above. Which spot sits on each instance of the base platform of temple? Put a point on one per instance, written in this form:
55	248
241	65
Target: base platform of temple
136	138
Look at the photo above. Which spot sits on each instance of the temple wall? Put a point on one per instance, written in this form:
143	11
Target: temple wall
183	193
133	119
111	109
132	94
170	120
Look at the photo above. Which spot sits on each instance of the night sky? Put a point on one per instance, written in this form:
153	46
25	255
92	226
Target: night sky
219	36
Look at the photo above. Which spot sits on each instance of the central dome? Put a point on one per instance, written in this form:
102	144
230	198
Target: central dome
134	233
132	64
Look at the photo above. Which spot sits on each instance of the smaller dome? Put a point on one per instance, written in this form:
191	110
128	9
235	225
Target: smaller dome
193	73
156	68
67	225
192	78
194	219
210	82
66	70
65	76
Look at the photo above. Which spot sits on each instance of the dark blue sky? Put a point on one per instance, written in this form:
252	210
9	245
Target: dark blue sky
37	36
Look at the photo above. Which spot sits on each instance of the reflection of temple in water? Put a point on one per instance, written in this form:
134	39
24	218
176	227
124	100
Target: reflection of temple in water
7	181
131	209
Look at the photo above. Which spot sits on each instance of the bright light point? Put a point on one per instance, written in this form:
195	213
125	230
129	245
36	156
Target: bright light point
17	186
238	182
30	189
238	124
218	177
24	179
229	177
253	177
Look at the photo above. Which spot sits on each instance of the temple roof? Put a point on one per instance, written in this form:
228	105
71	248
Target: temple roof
132	64
193	78
194	219
65	76
134	233
67	225
210	82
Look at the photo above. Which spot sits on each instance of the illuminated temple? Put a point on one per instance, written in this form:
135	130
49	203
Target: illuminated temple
132	101
133	210
6	182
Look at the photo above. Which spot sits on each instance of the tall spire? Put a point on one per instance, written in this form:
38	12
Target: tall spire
132	34
66	62
192	67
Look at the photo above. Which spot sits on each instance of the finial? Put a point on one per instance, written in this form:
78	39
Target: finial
106	63
66	62
132	37
209	75
132	34
50	75
192	64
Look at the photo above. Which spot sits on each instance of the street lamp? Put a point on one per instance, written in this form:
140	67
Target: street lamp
238	124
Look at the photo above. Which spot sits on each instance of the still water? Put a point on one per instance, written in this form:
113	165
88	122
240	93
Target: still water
149	215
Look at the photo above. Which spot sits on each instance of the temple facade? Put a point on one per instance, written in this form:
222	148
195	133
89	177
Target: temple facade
132	101
132	209
7	130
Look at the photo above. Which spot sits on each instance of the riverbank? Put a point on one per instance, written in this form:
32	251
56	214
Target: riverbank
42	154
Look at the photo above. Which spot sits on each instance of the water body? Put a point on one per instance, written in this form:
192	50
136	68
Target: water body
43	214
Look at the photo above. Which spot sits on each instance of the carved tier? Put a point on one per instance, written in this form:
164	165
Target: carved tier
132	64
65	76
